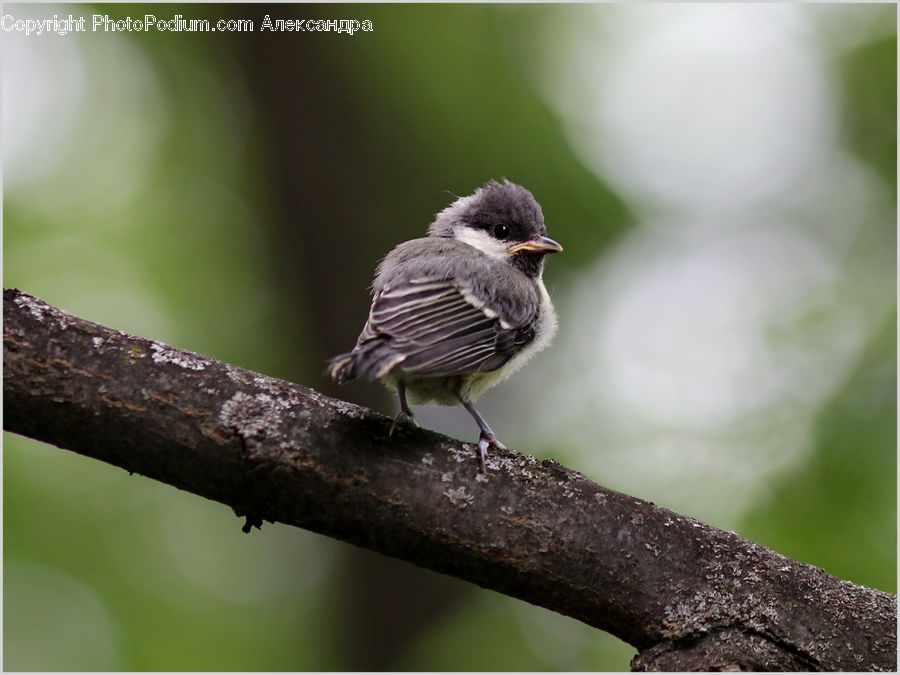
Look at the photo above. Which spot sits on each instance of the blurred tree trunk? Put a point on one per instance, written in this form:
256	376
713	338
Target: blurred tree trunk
329	236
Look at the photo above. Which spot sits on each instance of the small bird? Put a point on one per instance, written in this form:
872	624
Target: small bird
460	310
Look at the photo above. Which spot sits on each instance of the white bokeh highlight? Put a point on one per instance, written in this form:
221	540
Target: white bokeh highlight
700	106
50	602
694	357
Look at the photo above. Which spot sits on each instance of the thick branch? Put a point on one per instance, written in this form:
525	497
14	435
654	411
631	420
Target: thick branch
686	595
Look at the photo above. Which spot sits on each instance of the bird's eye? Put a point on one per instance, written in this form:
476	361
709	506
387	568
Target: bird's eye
501	231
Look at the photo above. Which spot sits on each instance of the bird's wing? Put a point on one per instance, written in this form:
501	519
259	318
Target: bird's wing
438	328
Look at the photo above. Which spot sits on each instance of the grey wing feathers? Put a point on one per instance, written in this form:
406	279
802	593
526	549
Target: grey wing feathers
424	321
430	328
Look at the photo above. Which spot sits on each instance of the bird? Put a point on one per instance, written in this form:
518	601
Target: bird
460	310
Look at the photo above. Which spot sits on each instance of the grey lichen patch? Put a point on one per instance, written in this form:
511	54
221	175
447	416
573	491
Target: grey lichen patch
251	414
33	306
238	376
519	466
446	477
523	467
481	477
459	497
97	341
711	609
569	491
499	463
428	459
349	410
42	311
269	385
310	396
318	398
691	616
164	354
466	453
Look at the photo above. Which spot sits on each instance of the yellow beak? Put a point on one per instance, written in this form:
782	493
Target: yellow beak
541	244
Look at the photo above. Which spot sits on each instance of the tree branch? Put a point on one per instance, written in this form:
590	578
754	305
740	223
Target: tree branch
688	596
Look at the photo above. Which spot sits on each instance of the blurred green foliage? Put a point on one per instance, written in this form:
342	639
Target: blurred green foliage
856	441
159	216
871	128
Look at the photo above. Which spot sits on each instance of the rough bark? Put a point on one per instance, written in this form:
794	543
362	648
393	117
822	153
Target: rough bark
688	596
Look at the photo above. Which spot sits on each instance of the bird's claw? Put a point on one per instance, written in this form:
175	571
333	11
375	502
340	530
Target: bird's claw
402	418
486	441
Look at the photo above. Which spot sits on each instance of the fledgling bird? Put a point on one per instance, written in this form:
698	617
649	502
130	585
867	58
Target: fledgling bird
460	310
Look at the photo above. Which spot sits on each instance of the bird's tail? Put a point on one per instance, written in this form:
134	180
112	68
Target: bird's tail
371	360
342	367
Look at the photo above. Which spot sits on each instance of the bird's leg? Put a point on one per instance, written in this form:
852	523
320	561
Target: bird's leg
405	415
487	438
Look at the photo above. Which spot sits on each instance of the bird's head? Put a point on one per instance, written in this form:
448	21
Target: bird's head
503	221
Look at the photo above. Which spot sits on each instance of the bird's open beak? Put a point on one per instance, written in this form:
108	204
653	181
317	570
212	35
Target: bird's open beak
541	244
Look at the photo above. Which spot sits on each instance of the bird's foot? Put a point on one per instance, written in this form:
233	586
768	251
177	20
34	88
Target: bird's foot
402	418
486	441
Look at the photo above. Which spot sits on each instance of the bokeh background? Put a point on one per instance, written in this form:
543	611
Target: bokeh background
723	178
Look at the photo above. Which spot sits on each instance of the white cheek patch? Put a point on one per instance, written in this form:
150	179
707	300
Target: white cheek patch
482	241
